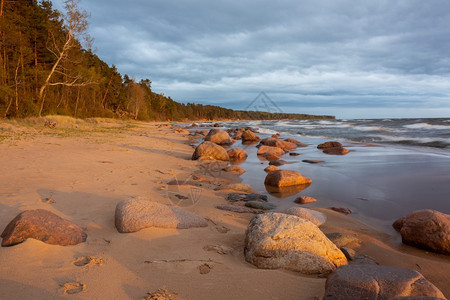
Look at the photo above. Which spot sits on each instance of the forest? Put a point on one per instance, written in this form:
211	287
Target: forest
47	67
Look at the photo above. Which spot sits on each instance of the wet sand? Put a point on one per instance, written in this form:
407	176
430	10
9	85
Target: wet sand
81	170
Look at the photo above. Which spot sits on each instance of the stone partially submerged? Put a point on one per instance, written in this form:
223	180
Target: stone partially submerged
277	240
209	150
219	137
426	229
136	214
42	225
283	178
370	281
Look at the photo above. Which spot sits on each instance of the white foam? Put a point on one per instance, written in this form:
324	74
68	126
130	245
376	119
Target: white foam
426	126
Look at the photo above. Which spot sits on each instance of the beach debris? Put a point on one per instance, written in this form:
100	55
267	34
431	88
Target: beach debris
205	268
233	197
135	214
249	136
220	249
209	150
236	209
317	218
330	144
48	200
87	261
269	149
237	187
277	240
427	229
309	161
73	287
342	210
219	137
283	178
237	154
260	205
369	281
234	169
336	151
271	168
304	200
162	294
343	239
42	225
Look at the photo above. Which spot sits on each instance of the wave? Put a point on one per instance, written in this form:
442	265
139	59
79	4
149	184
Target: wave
426	126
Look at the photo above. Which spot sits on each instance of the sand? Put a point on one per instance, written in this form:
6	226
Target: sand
80	170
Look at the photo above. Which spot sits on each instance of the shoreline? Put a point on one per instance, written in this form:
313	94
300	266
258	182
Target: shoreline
86	173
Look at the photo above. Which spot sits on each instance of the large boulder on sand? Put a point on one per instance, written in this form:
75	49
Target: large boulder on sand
209	150
370	281
218	136
269	149
277	240
136	214
249	136
427	229
42	225
282	178
237	154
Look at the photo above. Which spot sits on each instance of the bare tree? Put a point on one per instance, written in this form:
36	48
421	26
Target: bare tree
75	23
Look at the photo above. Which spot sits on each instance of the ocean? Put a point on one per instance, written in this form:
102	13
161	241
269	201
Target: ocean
431	134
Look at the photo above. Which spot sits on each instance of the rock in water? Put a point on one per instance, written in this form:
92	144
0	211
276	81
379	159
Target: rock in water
317	218
42	225
282	178
234	169
427	229
268	149
304	200
330	144
136	214
219	137
271	168
210	150
368	281
249	136
277	240
237	154
336	151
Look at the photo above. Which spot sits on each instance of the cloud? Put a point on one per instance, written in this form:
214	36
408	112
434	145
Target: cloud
341	54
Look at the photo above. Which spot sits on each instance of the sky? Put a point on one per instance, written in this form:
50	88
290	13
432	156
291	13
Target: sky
350	59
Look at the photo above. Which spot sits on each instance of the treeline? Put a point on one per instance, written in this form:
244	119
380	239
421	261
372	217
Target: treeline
47	67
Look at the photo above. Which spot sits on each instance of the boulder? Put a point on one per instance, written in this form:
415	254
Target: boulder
249	136
273	142
277	240
282	178
42	225
312	161
260	205
342	210
237	154
268	149
426	229
330	144
271	168
233	197
304	200
236	208
270	156
136	214
219	137
369	281
238	135
343	239
317	218
336	151
234	169
299	144
209	150
278	162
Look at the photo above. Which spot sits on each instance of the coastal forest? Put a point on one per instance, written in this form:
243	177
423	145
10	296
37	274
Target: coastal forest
47	67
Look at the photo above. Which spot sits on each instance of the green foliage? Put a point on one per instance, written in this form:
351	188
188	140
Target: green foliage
32	35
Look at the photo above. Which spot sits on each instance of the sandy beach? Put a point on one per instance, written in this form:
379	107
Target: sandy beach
80	170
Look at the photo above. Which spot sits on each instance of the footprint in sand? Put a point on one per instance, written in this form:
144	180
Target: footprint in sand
73	287
222	229
218	248
88	261
205	268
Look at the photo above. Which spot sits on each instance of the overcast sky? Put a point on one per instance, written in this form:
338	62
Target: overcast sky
351	59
